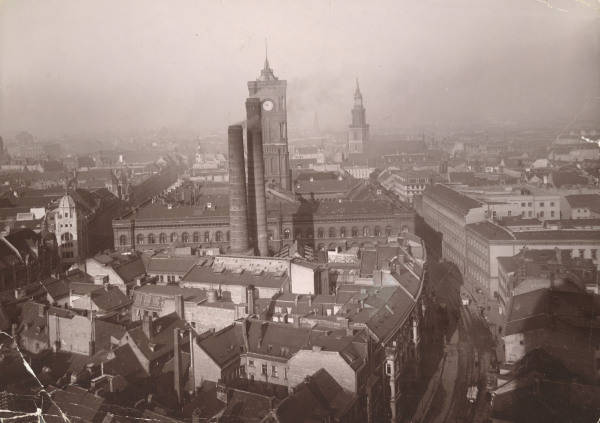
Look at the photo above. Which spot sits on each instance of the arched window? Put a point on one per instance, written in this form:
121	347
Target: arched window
342	232
174	237
123	240
206	236
67	236
162	238
320	233
321	247
404	228
218	236
366	231
270	235
286	233
196	237
332	232
354	232
139	239
377	231
151	239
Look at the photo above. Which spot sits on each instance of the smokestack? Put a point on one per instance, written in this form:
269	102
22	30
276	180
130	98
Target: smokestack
256	173
250	298
179	305
238	205
147	326
177	365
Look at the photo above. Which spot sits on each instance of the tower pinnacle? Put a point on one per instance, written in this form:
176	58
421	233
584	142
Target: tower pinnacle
357	93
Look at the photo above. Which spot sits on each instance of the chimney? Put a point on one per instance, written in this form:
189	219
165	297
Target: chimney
92	349
179	305
250	299
558	255
256	173
147	326
238	203
177	366
309	300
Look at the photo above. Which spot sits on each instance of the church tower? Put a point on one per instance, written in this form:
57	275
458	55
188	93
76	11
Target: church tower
358	133
271	92
69	230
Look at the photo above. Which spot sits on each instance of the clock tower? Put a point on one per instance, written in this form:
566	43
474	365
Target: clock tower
358	132
271	92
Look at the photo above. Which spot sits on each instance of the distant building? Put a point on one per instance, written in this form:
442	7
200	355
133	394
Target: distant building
406	184
582	206
358	132
70	230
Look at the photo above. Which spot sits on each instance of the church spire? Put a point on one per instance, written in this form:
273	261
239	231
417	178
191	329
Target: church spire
266	74
357	93
266	56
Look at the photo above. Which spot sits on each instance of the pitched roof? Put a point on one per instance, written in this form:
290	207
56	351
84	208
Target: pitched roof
490	231
588	201
77	402
319	397
558	235
451	198
174	264
162	340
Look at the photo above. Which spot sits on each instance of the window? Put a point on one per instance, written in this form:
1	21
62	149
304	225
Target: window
551	213
342	232
581	253
242	370
541	214
541	204
228	235
594	254
173	237
151	239
551	203
274	371
219	236
206	236
529	213
185	237
264	369
250	363
529	204
196	237
366	231
67	214
286	233
388	231
522	204
331	232
270	235
510	212
298	234
123	240
354	232
285	373
377	231
140	239
320	233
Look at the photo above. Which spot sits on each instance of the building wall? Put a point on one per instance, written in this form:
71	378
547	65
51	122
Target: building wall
233	293
276	370
204	367
206	317
95	269
303	279
308	362
73	334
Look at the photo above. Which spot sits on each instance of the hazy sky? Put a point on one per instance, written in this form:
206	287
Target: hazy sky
71	66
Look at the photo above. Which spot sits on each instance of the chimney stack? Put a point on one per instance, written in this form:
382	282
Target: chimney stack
147	326
256	173
177	366
250	299
179	305
238	203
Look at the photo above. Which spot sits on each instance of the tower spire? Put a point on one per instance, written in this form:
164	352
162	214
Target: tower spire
266	55
357	93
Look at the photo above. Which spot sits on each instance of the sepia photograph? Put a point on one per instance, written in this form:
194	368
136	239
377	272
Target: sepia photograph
300	211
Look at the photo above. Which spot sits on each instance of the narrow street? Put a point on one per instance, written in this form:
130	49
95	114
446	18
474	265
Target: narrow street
468	353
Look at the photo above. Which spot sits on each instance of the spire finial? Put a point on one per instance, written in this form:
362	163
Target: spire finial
266	55
357	90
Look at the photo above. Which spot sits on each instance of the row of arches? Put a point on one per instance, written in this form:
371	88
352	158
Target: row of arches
342	232
185	238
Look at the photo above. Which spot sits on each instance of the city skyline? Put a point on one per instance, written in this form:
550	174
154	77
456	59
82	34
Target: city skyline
65	71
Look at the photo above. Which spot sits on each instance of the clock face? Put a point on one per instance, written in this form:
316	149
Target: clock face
267	105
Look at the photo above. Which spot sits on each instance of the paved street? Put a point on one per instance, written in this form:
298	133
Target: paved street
468	353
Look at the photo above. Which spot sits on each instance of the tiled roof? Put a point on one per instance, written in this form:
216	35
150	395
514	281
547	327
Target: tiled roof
558	235
163	264
490	231
537	309
109	298
223	345
587	201
448	197
319	397
162	338
208	274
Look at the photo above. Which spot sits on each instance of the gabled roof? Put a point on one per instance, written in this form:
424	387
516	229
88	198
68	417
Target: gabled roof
162	340
319	397
586	201
74	401
174	264
451	198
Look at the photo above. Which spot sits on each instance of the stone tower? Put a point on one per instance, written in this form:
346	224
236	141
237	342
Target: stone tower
358	132
271	92
69	230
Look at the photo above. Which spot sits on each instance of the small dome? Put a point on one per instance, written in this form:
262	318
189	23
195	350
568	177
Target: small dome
66	202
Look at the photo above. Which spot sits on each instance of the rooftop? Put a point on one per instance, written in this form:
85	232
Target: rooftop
490	231
451	198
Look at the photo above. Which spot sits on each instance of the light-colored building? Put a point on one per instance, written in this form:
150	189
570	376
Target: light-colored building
406	184
70	230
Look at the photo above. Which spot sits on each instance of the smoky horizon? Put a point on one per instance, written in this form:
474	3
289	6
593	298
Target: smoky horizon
70	67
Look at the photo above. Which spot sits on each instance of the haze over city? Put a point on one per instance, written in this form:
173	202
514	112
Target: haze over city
80	66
